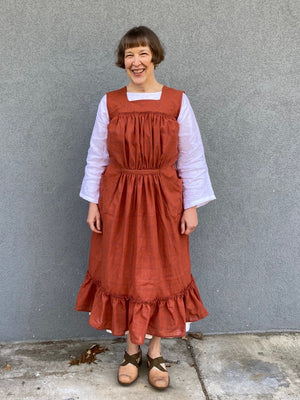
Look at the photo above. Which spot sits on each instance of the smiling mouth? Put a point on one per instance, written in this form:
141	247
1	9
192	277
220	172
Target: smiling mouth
138	72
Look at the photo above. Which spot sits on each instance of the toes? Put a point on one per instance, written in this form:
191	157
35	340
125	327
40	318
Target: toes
125	378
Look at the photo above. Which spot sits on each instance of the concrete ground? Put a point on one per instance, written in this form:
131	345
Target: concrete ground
235	367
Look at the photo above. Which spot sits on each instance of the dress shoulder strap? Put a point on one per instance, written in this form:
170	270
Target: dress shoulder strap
115	100
172	99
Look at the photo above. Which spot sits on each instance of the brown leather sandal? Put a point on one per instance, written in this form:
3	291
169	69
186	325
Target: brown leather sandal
158	378
131	372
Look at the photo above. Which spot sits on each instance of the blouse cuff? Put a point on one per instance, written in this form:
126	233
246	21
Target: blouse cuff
199	202
88	198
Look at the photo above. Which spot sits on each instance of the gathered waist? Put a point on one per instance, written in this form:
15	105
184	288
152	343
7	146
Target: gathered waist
120	168
143	171
165	170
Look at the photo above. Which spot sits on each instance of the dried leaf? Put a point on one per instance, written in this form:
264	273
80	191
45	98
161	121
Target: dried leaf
8	367
89	356
119	340
74	362
196	335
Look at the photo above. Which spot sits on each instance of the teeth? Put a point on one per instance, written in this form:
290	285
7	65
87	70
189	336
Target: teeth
137	71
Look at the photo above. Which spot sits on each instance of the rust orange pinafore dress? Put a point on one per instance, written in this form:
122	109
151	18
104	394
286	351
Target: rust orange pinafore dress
139	274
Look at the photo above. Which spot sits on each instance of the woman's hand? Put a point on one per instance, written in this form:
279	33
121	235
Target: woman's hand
94	218
189	221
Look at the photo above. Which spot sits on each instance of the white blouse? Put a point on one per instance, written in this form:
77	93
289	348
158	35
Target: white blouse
191	164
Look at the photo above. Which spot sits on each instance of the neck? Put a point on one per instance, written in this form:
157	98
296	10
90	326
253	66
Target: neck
148	87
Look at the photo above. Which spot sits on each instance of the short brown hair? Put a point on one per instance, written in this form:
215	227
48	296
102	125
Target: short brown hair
140	36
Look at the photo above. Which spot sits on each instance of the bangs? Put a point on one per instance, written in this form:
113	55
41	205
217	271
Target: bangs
135	41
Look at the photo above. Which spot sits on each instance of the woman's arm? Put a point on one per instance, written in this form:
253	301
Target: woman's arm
192	167
96	162
97	158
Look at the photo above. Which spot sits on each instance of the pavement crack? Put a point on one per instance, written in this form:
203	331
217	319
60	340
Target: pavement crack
200	377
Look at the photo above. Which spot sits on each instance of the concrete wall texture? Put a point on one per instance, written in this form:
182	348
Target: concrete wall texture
236	60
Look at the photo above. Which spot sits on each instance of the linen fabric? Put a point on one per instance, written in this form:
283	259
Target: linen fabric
139	275
191	164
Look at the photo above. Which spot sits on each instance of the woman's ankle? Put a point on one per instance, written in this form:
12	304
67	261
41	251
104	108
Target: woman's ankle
132	349
154	348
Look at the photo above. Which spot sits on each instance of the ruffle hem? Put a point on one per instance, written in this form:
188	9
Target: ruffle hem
163	317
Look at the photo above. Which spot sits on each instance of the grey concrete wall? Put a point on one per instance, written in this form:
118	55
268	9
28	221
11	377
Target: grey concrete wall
236	60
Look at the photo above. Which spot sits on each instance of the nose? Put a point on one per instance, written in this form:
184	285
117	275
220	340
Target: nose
136	60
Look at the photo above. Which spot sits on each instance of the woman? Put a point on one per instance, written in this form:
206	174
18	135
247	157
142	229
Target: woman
147	157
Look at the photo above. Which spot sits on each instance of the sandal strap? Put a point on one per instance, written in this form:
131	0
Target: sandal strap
132	359
156	362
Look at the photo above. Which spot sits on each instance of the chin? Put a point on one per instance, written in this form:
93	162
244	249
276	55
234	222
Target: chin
138	81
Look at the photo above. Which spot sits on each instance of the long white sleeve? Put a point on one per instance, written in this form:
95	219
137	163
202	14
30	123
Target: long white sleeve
97	158
191	163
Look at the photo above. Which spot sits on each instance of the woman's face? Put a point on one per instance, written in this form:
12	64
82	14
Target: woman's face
138	64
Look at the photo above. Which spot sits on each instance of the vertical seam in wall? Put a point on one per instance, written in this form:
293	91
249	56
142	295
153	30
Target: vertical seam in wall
200	377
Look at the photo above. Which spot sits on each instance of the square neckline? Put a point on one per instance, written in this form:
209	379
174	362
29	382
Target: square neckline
160	99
